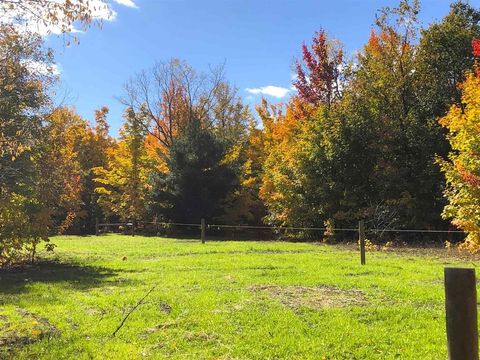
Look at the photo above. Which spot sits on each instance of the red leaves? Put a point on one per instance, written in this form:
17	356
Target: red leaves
476	53
318	76
476	47
468	177
373	41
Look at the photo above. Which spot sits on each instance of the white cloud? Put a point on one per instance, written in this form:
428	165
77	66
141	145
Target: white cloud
102	11
128	3
42	68
56	69
270	90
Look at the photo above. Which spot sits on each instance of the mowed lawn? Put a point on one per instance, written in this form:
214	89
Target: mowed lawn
222	300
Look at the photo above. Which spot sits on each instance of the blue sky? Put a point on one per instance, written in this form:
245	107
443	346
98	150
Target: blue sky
258	41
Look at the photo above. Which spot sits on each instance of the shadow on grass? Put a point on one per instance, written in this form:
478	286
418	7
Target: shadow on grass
79	277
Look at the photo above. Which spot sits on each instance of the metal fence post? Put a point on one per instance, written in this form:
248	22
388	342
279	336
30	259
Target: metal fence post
461	313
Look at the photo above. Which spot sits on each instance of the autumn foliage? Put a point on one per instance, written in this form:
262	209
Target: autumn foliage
462	169
476	47
360	139
319	74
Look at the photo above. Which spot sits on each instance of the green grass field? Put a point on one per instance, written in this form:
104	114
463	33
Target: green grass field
223	300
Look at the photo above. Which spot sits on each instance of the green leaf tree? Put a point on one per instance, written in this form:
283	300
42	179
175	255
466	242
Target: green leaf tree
24	99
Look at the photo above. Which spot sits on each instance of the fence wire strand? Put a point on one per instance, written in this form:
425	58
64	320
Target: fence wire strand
280	228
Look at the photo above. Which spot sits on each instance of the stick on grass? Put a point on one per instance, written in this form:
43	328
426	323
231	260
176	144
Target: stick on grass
140	302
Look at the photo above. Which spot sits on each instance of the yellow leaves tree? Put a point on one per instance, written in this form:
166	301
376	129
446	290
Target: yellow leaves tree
243	205
121	184
462	169
281	179
61	171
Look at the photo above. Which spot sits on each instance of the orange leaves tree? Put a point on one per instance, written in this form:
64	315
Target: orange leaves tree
285	142
68	150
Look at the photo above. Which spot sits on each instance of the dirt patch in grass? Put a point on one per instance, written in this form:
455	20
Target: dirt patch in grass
22	327
162	326
435	251
165	308
201	336
315	298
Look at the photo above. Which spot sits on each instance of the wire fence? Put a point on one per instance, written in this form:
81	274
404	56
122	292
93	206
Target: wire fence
301	233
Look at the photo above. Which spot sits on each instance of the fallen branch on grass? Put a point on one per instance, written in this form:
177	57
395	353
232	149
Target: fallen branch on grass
140	302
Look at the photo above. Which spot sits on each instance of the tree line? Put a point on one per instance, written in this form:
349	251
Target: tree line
389	135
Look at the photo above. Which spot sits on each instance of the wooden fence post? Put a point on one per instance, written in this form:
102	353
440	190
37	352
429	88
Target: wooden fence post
97	230
202	230
461	313
361	238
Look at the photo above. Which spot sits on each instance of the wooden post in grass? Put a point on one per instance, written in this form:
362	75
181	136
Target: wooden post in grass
97	229
202	230
361	238
461	313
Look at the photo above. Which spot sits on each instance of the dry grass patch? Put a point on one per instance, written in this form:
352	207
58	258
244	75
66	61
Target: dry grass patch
314	298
